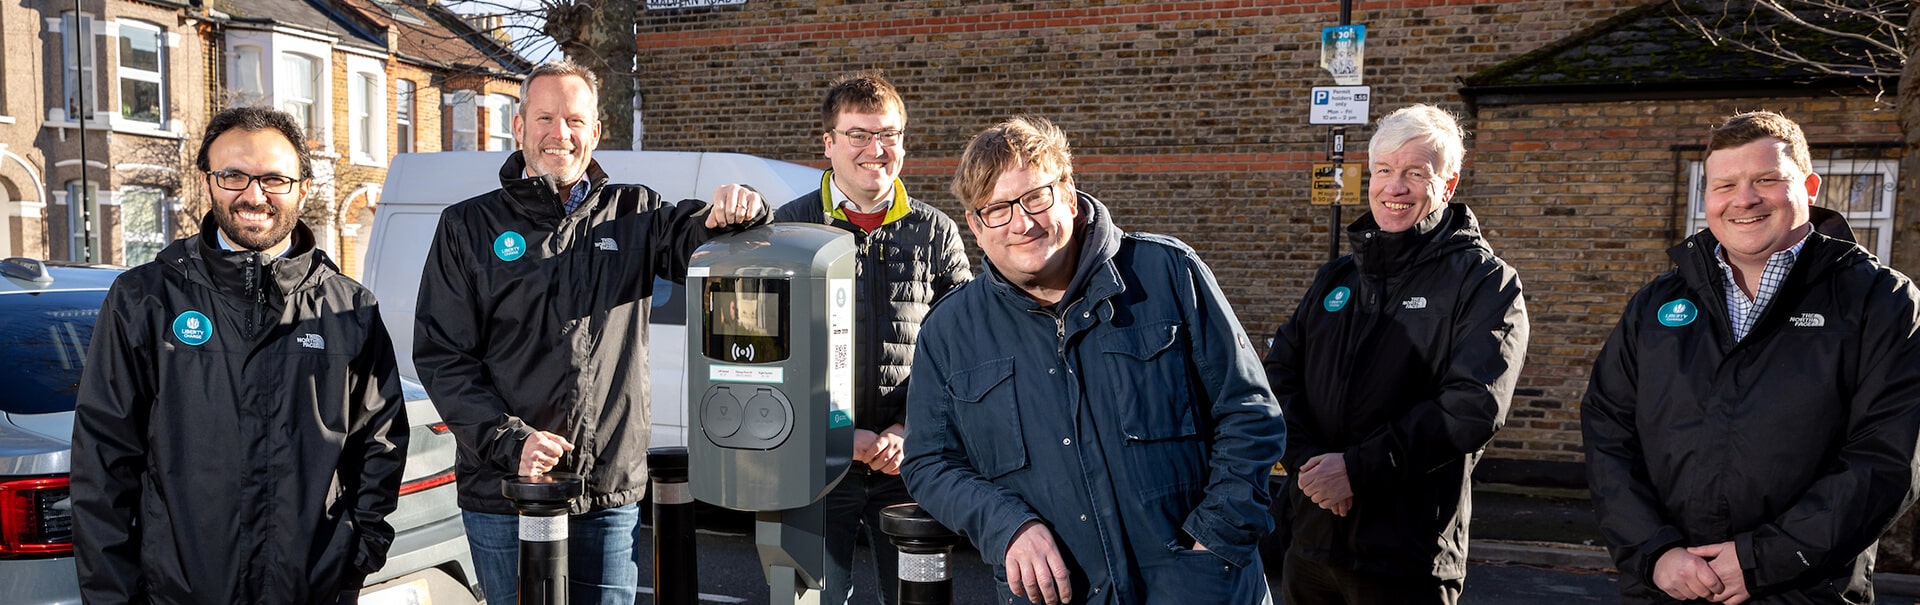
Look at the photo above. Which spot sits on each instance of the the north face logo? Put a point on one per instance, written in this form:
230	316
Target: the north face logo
1809	320
1417	302
312	341
606	243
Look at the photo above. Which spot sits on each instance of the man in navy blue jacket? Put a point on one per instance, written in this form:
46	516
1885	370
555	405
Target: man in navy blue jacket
1088	411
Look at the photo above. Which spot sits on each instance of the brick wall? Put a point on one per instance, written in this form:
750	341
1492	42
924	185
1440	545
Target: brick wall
1190	119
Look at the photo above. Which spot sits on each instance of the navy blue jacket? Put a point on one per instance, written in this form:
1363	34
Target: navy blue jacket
1132	418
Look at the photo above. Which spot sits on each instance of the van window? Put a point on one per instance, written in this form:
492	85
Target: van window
669	303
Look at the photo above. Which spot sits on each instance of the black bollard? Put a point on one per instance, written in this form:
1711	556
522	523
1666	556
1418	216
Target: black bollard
543	501
925	545
676	577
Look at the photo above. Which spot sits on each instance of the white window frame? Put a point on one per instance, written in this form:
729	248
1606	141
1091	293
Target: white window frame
500	110
366	111
84	72
1880	219
157	78
129	240
289	94
406	96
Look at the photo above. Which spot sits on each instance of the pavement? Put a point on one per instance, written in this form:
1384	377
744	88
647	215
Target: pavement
1555	530
1530	546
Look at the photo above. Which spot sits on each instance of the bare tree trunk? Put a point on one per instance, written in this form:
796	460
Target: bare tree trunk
598	34
1906	240
1898	545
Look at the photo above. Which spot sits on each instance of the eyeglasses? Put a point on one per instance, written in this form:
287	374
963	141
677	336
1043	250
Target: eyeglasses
863	138
1037	200
234	180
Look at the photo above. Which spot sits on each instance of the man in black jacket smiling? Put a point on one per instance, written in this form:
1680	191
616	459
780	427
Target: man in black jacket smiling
531	333
1395	371
1750	426
239	434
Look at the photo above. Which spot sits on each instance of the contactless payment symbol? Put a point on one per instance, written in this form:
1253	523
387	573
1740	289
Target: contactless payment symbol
1337	299
509	246
1678	313
192	328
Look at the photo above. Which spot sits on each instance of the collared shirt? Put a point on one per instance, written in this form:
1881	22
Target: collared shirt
1743	311
845	202
579	194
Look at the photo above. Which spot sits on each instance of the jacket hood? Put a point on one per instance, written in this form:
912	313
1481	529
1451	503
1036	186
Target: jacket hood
538	198
1099	241
1829	249
1380	253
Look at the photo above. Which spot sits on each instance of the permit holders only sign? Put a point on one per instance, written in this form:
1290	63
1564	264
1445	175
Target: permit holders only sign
1339	105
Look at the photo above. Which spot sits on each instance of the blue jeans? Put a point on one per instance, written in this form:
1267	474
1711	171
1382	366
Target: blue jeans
855	502
602	564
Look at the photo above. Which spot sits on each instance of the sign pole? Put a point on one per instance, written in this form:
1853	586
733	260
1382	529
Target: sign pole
1337	153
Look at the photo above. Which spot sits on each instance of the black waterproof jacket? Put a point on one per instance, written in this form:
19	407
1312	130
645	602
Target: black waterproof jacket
904	266
532	318
1795	443
239	434
1402	356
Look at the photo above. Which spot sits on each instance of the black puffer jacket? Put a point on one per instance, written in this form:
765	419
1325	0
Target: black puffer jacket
1796	443
531	318
1402	357
905	265
239	434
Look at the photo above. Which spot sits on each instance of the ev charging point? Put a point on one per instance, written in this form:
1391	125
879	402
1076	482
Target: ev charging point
770	317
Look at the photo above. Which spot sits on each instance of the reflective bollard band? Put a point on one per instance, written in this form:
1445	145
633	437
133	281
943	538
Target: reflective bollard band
924	568
543	529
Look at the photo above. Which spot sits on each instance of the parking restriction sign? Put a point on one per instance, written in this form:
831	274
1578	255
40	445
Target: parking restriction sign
1339	105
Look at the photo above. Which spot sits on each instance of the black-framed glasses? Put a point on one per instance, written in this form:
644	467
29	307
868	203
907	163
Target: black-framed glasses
234	180
862	138
1037	200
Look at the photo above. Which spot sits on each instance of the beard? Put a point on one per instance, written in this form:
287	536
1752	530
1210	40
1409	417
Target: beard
251	236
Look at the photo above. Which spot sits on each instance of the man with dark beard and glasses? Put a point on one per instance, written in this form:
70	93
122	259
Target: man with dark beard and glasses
239	433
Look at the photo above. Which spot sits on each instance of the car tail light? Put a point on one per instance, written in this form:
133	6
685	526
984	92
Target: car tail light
36	517
426	483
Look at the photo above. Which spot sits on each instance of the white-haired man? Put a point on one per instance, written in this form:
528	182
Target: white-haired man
1395	370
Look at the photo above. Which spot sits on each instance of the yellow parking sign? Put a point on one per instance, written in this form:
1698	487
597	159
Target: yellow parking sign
1337	184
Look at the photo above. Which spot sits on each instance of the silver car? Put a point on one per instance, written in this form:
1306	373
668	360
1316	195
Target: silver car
47	312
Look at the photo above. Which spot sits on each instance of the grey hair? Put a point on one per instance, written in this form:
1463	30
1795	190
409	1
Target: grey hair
560	68
1432	125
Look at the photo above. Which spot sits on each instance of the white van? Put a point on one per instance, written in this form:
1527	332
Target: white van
419	185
